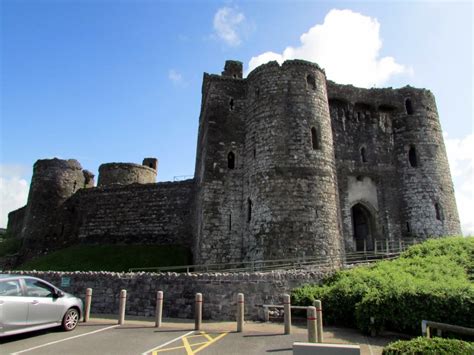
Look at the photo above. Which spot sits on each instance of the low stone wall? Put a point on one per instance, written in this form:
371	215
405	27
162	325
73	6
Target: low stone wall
219	290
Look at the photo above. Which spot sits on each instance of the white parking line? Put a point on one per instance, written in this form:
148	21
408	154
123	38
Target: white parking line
60	341
168	342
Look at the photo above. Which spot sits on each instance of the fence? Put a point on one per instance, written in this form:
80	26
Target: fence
383	249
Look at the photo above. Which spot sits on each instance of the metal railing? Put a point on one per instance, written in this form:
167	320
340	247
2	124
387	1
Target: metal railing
382	250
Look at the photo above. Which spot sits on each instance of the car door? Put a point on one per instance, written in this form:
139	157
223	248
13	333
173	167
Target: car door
13	306
43	306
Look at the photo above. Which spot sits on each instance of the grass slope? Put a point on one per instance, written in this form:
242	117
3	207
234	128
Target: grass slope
109	258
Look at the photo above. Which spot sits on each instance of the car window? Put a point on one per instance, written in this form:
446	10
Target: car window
10	288
35	288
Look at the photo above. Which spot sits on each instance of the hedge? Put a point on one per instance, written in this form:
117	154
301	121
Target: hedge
430	281
421	345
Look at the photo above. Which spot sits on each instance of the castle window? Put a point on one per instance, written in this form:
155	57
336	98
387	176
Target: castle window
231	104
230	221
439	212
408	228
412	157
257	91
254	153
363	155
315	139
359	178
311	82
231	160
249	210
408	107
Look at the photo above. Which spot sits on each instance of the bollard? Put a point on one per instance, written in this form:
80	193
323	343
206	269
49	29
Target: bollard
123	302
240	312
287	314
311	316
87	306
319	320
198	312
159	308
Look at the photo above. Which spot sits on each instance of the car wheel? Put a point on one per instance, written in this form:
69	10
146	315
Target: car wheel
70	319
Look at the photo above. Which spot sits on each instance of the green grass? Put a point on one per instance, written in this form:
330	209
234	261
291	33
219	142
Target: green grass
431	281
109	258
9	246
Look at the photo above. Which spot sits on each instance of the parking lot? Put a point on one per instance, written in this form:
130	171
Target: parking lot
104	336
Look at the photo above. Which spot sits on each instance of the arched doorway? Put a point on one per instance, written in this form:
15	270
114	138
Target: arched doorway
362	222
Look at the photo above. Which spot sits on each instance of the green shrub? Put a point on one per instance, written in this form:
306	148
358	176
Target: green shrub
10	246
430	281
438	346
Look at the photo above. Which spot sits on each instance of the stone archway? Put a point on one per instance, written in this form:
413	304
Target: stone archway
363	227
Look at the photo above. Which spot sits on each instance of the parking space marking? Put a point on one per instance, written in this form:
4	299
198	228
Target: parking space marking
167	343
62	340
188	345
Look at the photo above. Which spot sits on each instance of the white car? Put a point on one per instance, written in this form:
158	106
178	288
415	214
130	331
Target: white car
28	304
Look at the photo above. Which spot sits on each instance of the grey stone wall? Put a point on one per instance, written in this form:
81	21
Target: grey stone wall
15	222
140	213
219	291
400	199
125	174
52	183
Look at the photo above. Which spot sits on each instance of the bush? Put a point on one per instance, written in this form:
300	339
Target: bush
10	246
436	346
430	281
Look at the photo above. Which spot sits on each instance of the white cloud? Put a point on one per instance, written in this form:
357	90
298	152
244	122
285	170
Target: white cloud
175	77
228	24
461	161
347	46
13	190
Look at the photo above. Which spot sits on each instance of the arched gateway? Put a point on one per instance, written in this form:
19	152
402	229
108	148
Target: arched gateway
363	227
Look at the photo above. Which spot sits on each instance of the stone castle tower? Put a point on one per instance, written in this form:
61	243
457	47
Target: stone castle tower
288	165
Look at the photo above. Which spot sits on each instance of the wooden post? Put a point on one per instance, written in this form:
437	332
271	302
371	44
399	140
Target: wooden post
387	246
122	304
240	312
159	309
198	312
287	313
319	321
87	306
311	316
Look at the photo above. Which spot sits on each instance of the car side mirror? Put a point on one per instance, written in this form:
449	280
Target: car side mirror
58	294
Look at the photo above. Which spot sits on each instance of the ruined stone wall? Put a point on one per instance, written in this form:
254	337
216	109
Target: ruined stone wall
146	214
52	183
125	174
219	291
429	205
290	186
371	144
281	199
219	170
15	222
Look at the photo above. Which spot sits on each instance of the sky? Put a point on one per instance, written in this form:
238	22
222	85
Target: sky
120	80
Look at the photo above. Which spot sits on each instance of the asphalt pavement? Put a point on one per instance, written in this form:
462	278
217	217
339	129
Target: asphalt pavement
139	336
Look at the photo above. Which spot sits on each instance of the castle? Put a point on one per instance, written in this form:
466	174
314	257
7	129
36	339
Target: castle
288	164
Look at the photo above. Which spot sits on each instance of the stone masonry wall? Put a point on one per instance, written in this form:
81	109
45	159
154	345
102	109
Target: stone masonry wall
146	214
219	291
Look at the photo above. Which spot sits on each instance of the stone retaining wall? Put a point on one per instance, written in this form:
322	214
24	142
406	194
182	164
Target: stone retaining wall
219	290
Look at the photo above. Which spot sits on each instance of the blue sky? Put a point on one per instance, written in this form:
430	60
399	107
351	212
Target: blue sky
107	80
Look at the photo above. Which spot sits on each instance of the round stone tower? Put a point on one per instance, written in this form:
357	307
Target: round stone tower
290	187
53	181
429	205
128	173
